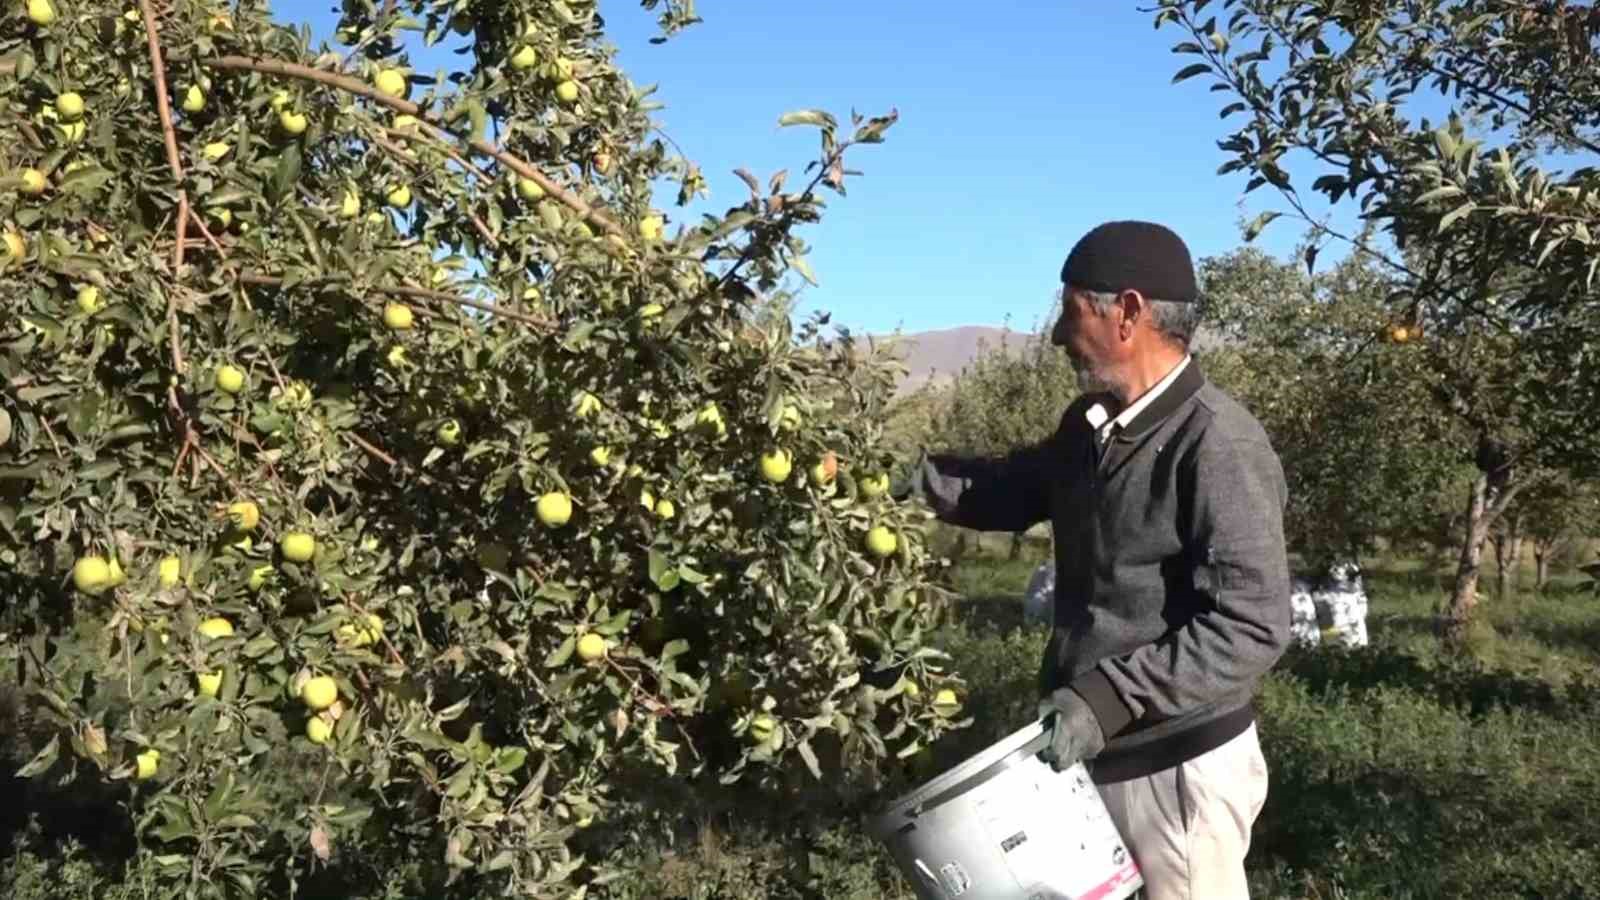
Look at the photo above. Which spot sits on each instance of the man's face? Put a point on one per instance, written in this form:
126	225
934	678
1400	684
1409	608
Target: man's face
1091	337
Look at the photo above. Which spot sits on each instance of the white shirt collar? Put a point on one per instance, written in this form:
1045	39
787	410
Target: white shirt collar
1097	414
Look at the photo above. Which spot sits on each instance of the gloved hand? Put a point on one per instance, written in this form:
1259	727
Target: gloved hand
926	483
1075	733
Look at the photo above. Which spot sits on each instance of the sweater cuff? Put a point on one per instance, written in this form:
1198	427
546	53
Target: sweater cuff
1109	710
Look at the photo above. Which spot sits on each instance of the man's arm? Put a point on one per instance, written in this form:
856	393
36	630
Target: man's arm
1241	564
994	493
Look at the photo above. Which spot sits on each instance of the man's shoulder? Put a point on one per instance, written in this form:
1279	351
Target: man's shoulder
1226	418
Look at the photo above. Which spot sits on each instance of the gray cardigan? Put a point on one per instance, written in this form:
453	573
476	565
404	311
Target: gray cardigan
1172	578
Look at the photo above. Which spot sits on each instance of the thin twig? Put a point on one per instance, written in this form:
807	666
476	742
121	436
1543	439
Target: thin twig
361	89
168	133
182	239
206	233
379	454
409	157
417	293
362	611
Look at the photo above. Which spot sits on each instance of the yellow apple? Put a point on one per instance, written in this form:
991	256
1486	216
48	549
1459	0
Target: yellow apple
560	69
762	727
169	571
874	486
600	456
391	82
528	189
319	692
650	228
361	635
554	509
588	405
945	702
591	647
209	683
292	121
33	181
297	546
194	99
524	58
16	247
70	106
146	763
280	100
567	91
397	316
89	299
665	510
881	542
404	121
229	379
91	575
350	206
449	433
215	151
318	730
776	466
245	514
215	627
399	196
115	569
909	687
73	132
41	12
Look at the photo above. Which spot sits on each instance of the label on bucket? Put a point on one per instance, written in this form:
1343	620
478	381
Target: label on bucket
956	881
1053	831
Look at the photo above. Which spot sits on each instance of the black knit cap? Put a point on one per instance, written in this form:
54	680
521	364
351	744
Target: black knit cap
1131	255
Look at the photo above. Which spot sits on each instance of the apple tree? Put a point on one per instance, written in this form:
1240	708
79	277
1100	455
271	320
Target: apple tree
1484	217
380	463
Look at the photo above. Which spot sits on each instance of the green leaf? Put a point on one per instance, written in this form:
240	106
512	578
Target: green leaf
1190	71
285	174
1259	222
614	624
1455	215
562	653
808	117
42	760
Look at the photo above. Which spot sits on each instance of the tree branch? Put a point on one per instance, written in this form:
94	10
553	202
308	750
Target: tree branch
417	293
361	89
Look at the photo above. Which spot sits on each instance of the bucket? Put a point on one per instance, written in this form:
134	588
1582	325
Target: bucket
1004	825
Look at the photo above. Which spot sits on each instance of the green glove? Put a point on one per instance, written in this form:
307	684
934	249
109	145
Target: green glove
1075	733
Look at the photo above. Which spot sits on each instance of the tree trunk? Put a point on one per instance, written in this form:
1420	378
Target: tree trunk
1492	492
1515	534
1502	578
1541	565
961	545
1016	547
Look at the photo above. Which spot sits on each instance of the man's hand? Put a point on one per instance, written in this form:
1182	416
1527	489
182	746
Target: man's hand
926	483
1075	733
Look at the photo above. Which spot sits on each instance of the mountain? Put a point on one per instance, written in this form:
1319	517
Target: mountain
937	356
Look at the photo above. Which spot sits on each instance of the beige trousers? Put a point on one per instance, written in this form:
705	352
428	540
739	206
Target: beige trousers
1188	827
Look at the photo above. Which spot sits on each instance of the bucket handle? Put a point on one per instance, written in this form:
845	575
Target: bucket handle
1031	748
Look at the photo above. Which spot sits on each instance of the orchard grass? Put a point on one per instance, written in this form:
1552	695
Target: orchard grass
1397	771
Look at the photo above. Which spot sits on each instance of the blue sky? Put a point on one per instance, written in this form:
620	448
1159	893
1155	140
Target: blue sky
1021	126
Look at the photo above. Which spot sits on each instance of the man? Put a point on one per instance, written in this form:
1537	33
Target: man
1172	584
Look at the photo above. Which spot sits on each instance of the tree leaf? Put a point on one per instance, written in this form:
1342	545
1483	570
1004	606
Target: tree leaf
808	117
1190	71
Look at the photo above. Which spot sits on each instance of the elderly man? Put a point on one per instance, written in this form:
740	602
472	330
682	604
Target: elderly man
1172	592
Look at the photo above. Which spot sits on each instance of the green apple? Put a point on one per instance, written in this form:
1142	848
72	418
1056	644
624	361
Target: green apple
600	456
397	316
776	466
567	91
194	99
297	546
591	647
91	575
319	692
524	58
215	627
146	763
16	247
293	121
33	182
554	509
41	13
391	82
399	196
665	509
528	189
881	542
69	106
318	730
169	571
89	299
650	228
449	433
209	683
229	379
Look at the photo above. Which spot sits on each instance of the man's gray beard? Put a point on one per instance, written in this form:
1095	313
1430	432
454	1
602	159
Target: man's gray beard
1091	381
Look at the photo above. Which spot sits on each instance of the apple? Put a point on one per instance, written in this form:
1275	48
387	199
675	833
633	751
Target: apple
318	730
89	299
647	499
319	692
651	311
221	217
399	196
710	420
776	466
245	514
280	100
41	13
560	69
260	575
293	121
169	571
361	635
567	91
73	132
215	627
33	181
650	228
215	151
297	546
881	542
194	99
230	379
665	510
588	405
554	509
350	206
16	247
528	189
391	82
875	485
146	763
115	568
524	58
91	575
397	316
945	702
600	456
591	647
209	683
449	433
404	121
824	471
762	727
70	106
396	356
909	687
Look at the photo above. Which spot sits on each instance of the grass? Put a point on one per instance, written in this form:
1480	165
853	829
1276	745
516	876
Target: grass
1396	771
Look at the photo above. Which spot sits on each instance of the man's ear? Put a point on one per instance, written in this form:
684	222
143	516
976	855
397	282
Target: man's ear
1134	307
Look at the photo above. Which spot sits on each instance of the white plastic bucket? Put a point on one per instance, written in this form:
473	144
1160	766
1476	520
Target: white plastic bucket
1004	825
